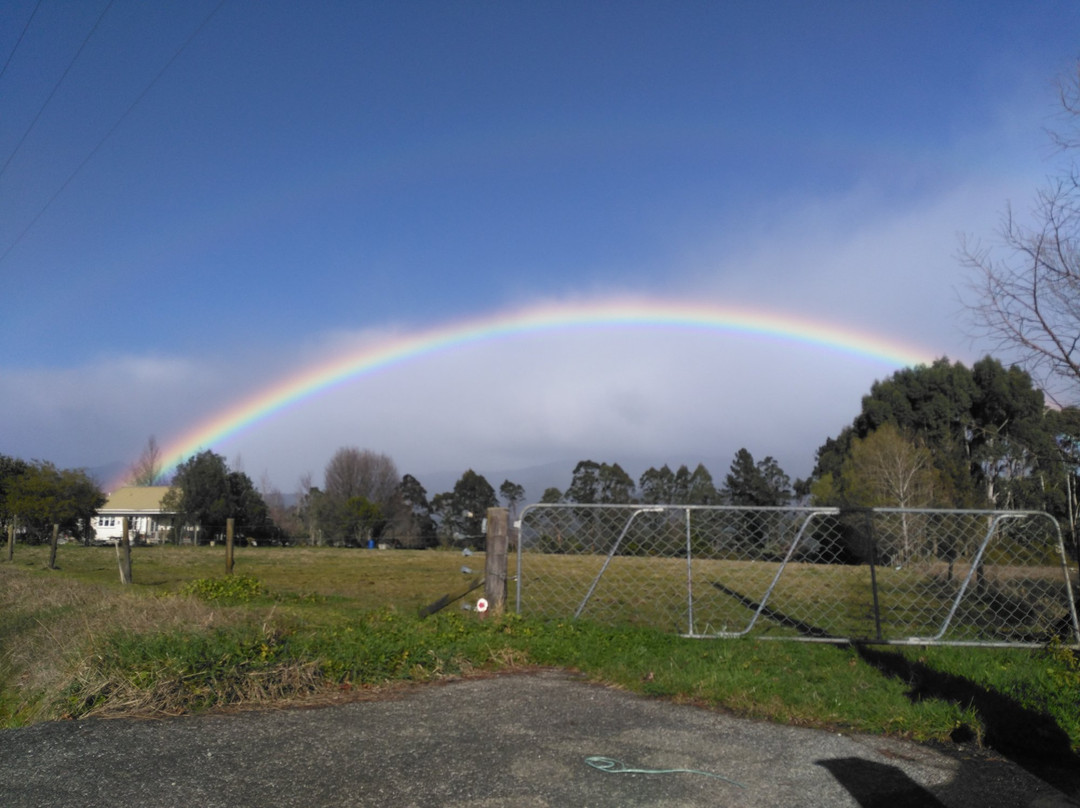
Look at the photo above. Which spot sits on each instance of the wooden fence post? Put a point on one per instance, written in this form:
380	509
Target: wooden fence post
52	546
11	540
230	529
124	554
495	559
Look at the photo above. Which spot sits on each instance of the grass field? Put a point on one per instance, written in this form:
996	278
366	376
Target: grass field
303	625
1009	604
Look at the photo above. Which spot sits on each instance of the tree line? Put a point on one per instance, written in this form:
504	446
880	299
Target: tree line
362	501
939	435
748	482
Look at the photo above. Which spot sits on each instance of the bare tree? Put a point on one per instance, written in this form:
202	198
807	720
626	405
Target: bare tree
147	469
354	472
360	496
284	517
1026	288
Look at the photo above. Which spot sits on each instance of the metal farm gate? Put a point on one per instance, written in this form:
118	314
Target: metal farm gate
881	575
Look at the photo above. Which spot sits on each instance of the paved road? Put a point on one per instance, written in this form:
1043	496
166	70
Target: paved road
510	740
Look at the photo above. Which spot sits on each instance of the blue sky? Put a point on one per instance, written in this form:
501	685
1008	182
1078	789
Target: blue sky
179	232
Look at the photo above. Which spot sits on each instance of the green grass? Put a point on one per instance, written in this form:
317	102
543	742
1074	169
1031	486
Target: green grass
835	600
312	624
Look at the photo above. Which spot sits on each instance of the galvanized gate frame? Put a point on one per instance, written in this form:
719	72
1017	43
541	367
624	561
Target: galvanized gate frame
810	515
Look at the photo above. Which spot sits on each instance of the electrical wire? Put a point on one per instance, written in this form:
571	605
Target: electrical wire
109	133
612	766
56	87
18	42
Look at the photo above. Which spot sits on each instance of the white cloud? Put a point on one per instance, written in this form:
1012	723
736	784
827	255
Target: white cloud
610	394
100	412
861	264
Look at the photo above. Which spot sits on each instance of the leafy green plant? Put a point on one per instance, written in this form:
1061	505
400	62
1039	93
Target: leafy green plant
232	589
1063	665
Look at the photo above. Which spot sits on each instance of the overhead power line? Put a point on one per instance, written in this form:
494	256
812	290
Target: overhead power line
18	42
56	87
112	129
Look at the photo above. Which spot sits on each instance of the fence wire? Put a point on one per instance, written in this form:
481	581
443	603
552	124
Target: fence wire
884	575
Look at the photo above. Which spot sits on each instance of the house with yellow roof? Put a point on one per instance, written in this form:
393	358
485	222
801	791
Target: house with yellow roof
148	521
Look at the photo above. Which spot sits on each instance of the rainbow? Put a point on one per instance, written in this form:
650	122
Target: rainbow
535	320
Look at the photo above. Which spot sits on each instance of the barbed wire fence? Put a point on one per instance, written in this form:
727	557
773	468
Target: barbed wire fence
882	575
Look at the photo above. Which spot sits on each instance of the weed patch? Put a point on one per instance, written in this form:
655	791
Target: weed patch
232	589
183	671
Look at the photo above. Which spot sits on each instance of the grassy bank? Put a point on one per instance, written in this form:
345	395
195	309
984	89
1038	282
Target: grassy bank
312	625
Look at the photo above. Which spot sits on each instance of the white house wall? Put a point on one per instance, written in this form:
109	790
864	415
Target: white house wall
109	529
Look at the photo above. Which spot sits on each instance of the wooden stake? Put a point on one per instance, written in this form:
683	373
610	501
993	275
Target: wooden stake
52	547
495	559
124	558
230	527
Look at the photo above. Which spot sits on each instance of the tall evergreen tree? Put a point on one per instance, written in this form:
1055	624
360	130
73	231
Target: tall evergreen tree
512	494
463	510
657	485
584	486
761	484
702	489
616	486
600	484
204	494
413	521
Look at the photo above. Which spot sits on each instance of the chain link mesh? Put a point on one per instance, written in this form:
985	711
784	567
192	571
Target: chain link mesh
879	575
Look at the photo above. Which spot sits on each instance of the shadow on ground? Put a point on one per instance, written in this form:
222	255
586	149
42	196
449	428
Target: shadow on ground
1029	738
879	785
1032	740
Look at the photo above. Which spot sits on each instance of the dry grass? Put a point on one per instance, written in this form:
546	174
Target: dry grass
51	620
48	626
117	697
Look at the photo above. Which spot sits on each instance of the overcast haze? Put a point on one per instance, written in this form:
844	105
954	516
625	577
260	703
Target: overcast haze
199	199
